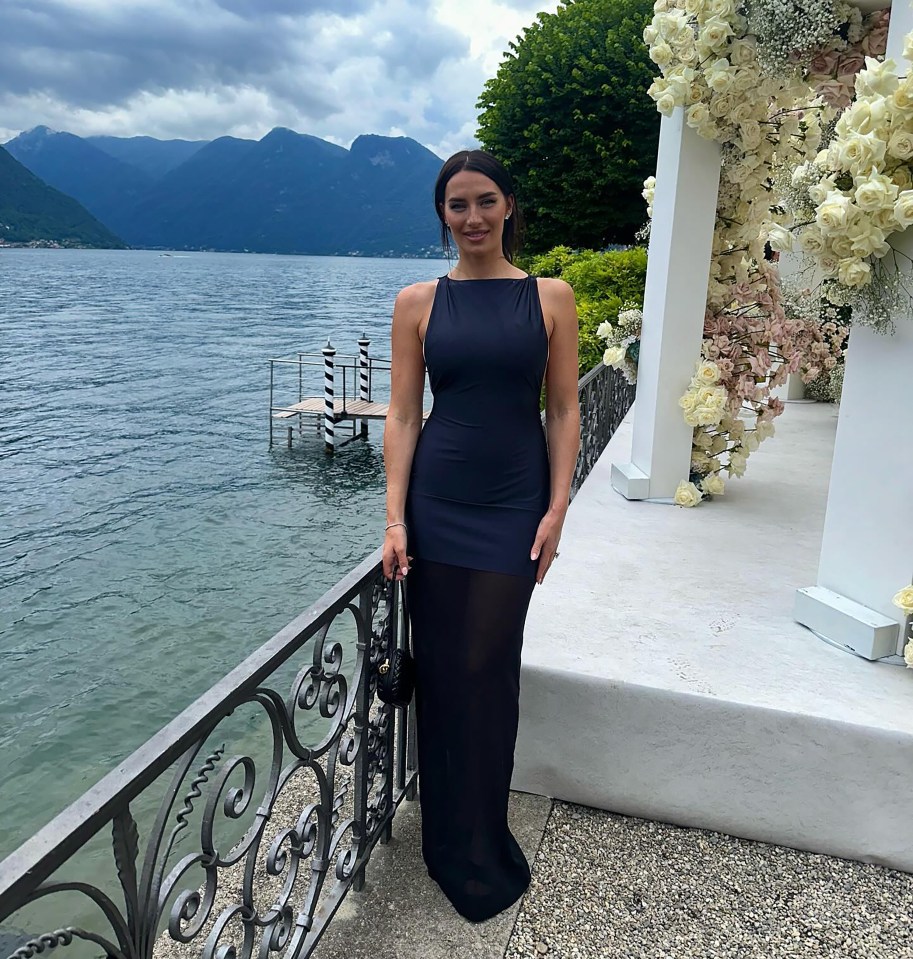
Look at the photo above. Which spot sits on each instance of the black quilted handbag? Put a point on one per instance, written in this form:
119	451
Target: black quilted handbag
396	674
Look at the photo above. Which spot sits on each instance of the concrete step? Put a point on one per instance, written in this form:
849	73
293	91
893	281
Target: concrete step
664	676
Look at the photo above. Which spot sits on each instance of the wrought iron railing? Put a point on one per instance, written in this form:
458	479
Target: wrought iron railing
605	398
277	836
248	851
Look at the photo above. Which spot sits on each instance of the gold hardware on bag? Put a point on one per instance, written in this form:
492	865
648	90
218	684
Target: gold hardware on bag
384	668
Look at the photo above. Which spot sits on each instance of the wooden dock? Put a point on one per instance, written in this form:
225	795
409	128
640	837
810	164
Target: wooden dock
354	407
342	410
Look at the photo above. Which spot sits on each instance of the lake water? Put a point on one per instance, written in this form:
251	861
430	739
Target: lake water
149	539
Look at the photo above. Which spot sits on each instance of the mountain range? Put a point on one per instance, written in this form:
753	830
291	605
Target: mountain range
286	193
32	212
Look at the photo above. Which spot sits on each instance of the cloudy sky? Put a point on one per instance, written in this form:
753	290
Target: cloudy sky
198	69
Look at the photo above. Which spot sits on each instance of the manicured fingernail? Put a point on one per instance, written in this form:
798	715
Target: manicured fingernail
405	570
533	555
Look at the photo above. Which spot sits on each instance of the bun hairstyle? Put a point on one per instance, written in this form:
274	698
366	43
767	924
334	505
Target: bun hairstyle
478	161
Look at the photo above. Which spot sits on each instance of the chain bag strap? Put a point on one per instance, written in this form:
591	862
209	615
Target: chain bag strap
396	674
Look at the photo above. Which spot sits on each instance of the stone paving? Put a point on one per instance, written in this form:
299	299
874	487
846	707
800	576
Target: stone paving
607	886
614	887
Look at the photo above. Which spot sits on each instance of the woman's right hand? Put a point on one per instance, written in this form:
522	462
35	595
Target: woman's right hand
395	559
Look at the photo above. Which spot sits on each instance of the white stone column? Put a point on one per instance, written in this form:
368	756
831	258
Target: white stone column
867	548
678	268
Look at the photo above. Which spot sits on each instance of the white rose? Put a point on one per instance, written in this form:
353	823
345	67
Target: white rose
833	213
904	598
900	145
865	238
707	374
902	97
715	33
853	272
720	8
718	444
613	356
687	494
661	54
720	77
604	330
902	178
868	116
828	263
750	134
780	239
842	246
721	106
884	220
698	115
903	209
751	442
879	78
747	79
908	654
862	152
874	192
666	104
702	441
764	430
743	52
651	34
713	485
811	240
737	463
696	93
818	193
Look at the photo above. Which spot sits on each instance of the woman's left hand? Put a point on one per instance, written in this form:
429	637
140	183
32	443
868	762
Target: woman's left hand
545	546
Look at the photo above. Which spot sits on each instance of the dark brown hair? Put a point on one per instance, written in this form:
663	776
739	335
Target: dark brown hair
478	161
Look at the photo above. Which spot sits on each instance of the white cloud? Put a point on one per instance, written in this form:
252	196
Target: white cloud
199	69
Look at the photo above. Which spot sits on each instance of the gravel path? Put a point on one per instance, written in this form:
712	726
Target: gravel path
607	886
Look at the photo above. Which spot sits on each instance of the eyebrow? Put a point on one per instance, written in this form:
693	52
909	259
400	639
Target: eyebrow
482	196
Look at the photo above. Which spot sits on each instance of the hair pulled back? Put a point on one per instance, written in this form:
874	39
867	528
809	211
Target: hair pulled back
478	161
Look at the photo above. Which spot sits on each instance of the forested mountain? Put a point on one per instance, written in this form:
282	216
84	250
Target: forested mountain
31	211
105	186
286	193
153	157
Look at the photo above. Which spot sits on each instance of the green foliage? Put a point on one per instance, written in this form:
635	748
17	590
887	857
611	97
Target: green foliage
33	212
568	114
602	283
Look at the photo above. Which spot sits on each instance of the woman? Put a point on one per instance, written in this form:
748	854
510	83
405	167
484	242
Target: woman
475	505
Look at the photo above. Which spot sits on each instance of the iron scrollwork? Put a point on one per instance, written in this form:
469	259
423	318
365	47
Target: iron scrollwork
306	824
302	817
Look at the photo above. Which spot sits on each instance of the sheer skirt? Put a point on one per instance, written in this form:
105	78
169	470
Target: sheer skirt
467	633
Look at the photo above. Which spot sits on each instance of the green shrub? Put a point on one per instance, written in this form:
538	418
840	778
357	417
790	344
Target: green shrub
602	282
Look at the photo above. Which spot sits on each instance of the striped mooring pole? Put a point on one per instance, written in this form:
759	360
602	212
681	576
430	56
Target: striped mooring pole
364	392
329	421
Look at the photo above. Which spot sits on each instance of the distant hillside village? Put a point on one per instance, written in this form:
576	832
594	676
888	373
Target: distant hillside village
286	193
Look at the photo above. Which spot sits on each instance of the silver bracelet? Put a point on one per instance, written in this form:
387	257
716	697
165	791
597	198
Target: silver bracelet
396	524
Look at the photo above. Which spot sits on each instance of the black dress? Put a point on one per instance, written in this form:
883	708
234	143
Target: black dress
478	488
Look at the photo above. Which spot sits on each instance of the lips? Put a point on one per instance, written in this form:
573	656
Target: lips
476	236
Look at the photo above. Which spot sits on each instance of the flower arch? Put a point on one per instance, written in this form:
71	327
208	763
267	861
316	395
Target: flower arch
797	95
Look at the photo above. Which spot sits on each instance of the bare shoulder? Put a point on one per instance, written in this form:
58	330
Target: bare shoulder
417	298
556	293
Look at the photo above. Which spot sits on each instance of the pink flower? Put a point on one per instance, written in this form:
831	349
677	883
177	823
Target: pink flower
824	62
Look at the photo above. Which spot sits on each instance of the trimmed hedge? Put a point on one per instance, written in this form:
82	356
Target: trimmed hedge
602	282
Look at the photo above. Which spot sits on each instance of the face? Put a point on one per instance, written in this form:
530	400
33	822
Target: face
475	209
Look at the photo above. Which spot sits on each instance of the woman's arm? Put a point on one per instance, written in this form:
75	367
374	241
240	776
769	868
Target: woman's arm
562	414
404	419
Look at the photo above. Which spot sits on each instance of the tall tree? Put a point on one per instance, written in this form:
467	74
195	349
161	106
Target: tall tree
568	114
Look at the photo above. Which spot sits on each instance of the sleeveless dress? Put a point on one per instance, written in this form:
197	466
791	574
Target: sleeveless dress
478	487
